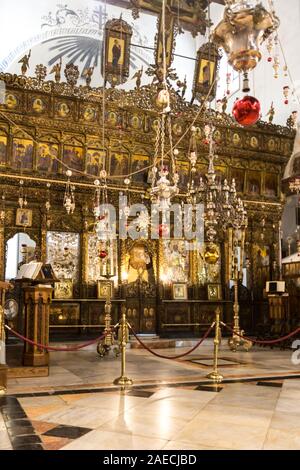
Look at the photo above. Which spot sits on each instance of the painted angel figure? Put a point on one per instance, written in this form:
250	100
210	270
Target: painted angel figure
271	113
138	77
57	70
25	63
182	86
87	74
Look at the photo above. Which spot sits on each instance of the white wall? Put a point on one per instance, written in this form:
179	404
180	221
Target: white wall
26	24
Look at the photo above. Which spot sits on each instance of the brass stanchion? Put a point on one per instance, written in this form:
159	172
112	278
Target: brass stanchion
214	375
3	367
123	340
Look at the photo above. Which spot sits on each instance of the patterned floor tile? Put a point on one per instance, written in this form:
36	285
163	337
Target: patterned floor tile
70	432
54	443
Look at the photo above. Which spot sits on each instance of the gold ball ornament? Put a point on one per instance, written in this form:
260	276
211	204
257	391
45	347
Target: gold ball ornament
211	254
163	99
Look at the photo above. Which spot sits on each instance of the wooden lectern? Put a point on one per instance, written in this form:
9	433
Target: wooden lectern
37	291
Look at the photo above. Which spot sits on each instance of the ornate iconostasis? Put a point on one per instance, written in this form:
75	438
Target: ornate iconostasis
66	147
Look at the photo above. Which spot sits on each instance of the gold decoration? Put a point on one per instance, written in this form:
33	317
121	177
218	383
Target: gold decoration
211	254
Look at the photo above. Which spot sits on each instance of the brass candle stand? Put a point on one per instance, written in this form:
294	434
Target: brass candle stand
237	339
104	346
215	376
123	338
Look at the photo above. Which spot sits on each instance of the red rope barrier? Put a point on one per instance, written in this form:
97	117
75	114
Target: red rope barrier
173	357
256	341
53	348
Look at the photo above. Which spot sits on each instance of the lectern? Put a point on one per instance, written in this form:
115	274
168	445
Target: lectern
37	279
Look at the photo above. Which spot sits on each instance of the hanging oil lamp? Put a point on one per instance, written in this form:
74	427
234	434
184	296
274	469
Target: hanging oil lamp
286	91
270	45
69	198
241	32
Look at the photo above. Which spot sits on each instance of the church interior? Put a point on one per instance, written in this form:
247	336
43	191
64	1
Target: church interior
149	225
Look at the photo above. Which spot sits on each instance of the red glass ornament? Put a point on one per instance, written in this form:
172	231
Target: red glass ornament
103	254
269	59
162	230
246	111
286	101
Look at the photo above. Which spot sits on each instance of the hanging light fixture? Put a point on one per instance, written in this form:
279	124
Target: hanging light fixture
222	207
22	199
69	197
164	178
242	31
48	203
103	228
286	92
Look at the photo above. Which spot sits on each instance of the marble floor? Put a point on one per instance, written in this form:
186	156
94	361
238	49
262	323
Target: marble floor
172	405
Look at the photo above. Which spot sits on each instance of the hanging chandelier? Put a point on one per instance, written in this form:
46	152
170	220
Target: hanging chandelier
165	178
244	27
103	228
222	206
69	197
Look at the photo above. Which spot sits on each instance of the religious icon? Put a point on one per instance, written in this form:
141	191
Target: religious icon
271	145
176	260
95	161
262	256
139	166
180	291
47	157
112	118
217	136
253	182
116	52
271	185
119	164
63	289
236	139
140	264
104	289
116	56
254	142
63	109
73	157
24	217
135	122
11	101
207	65
214	291
38	105
22	154
89	113
206	72
3	149
63	253
239	176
